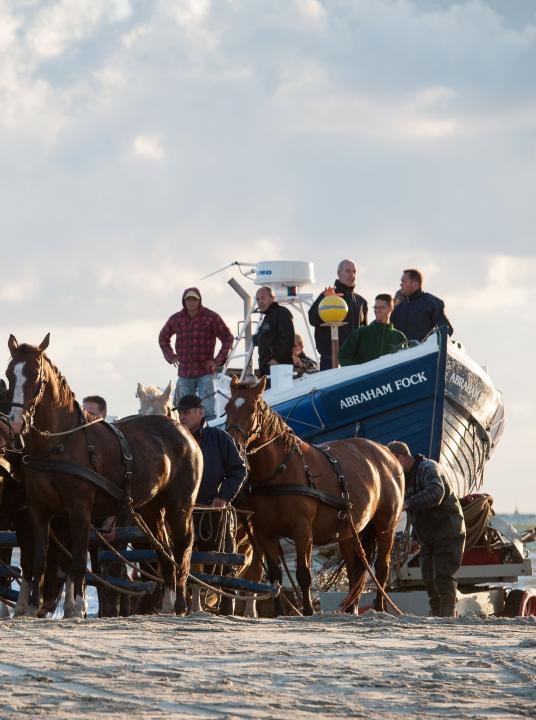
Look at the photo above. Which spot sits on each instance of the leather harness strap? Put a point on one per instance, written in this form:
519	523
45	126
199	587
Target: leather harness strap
305	490
342	504
86	473
81	471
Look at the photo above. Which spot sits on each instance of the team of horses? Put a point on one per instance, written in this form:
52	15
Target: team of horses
71	470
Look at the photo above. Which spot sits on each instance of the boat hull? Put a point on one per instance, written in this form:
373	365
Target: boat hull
433	397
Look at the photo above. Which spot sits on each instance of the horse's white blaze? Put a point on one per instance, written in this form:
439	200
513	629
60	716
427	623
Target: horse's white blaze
239	402
15	417
22	603
168	604
250	607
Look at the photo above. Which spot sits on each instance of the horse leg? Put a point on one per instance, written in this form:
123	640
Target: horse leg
180	525
384	541
79	521
269	547
22	525
355	567
40	527
304	548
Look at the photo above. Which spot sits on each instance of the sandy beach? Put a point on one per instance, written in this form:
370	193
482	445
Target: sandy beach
373	666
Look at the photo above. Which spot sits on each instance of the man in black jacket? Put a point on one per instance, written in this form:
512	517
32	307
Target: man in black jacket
224	472
357	311
275	336
437	517
419	312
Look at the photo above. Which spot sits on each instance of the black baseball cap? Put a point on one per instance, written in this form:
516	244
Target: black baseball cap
187	402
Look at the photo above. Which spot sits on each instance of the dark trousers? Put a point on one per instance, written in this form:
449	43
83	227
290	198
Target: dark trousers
325	362
440	561
212	533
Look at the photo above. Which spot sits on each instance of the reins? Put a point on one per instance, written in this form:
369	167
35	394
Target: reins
343	504
48	434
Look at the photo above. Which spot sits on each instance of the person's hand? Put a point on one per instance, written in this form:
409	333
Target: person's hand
331	291
272	362
219	503
175	361
297	361
210	366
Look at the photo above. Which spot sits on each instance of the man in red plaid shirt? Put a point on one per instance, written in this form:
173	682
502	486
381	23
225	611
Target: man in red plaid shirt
196	329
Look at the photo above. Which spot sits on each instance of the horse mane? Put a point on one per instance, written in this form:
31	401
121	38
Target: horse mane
152	390
65	393
272	424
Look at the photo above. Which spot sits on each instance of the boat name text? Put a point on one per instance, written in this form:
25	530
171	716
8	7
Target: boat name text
381	390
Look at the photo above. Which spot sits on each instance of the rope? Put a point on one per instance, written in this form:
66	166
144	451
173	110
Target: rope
99	580
160	548
47	434
132	565
16	575
348	600
284	562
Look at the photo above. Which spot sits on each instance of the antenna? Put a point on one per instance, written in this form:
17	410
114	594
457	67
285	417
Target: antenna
233	264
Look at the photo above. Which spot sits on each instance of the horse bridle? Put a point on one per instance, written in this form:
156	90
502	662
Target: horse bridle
28	414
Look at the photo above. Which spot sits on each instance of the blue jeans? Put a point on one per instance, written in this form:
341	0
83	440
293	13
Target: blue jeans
203	386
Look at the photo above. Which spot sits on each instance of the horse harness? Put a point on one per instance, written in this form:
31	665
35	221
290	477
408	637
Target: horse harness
342	504
46	464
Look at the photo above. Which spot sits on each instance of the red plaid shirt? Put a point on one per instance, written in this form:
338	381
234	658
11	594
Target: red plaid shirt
195	341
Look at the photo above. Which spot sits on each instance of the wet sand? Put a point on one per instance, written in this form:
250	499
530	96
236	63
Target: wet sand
327	666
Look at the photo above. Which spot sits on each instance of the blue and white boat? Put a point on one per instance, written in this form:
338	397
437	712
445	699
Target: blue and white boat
432	396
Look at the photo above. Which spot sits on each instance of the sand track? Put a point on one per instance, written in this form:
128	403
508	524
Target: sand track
205	667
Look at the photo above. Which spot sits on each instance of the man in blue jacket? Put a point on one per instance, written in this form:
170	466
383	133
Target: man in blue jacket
419	312
224	472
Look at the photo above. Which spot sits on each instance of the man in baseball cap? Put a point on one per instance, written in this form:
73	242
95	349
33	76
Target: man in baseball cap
196	329
224	472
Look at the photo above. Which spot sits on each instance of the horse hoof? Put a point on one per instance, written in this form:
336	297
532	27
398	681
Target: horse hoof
32	611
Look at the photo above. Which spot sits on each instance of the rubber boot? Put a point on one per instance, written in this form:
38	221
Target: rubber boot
435	607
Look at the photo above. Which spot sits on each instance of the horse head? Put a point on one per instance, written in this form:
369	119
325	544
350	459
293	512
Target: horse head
153	401
25	374
243	422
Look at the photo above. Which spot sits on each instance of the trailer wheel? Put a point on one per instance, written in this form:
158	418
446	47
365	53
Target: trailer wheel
520	603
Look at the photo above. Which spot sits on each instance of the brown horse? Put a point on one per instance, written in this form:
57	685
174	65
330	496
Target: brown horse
294	489
166	472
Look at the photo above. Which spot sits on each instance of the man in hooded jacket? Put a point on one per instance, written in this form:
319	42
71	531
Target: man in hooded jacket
196	329
357	311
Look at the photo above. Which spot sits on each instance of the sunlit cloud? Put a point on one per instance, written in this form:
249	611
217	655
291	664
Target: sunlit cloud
148	147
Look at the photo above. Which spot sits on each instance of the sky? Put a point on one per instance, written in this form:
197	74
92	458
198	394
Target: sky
145	144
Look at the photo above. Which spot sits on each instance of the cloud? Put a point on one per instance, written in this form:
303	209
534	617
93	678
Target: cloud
145	145
148	147
67	22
